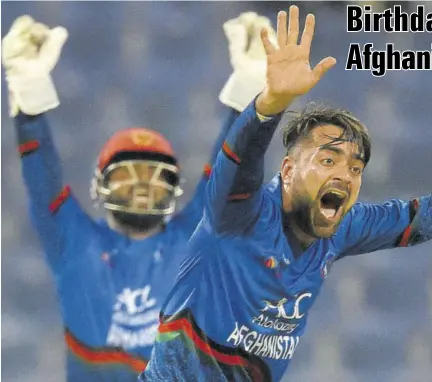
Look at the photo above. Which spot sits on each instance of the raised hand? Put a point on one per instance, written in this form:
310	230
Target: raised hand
248	59
289	73
30	51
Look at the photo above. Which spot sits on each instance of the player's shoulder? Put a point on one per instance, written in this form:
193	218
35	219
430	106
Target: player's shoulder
102	230
178	224
356	212
273	188
357	209
354	221
67	209
270	208
272	195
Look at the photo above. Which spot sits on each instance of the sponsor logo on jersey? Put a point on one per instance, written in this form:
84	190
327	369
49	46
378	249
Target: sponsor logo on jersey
282	315
283	318
135	319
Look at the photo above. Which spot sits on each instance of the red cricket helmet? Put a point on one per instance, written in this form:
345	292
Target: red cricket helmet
135	140
126	149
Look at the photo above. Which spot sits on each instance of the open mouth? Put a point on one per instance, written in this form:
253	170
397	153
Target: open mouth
331	203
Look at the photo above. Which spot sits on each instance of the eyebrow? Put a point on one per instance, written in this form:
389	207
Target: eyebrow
337	150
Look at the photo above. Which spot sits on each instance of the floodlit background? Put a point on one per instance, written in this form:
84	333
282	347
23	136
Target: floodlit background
162	65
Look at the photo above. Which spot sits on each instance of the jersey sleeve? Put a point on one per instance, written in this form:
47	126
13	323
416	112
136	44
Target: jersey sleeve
192	213
396	223
54	213
234	192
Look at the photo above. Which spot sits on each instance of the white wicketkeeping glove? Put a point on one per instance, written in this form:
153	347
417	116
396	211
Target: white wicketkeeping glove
30	51
248	59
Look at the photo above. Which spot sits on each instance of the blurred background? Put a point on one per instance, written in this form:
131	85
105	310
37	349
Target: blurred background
162	65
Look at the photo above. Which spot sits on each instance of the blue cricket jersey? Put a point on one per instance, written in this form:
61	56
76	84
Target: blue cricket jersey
111	287
241	301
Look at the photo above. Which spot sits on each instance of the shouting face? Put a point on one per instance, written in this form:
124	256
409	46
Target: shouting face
321	180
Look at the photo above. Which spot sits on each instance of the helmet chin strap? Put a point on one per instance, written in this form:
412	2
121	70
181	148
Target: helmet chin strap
135	225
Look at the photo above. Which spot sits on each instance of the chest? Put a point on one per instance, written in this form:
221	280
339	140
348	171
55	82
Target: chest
121	286
280	289
277	292
109	269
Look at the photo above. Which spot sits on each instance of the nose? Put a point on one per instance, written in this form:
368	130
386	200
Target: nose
344	176
141	190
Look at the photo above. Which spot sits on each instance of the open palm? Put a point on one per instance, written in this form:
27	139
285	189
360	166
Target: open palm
289	73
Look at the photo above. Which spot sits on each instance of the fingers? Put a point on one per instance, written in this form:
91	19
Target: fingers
291	36
293	27
323	67
308	32
38	33
50	51
268	46
16	41
247	19
21	25
282	28
29	40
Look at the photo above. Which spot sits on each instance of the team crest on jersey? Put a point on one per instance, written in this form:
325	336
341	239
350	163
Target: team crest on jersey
327	263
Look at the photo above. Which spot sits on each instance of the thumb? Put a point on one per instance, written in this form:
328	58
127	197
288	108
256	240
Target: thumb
323	66
50	50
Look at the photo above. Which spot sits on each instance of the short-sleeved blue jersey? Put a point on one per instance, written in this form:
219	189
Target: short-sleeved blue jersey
111	287
241	302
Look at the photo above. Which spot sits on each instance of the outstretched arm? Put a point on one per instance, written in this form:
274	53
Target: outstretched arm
396	223
234	192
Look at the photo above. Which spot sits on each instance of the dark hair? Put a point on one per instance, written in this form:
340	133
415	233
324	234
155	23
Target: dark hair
299	126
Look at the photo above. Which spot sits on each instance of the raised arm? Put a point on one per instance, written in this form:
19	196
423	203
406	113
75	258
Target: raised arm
192	213
30	51
234	192
248	60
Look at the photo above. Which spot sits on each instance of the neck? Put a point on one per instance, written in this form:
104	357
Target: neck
291	228
139	235
304	239
297	237
130	231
